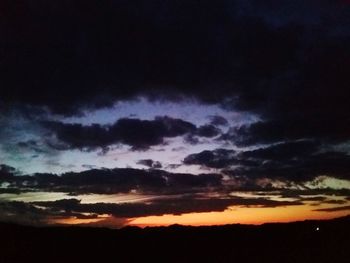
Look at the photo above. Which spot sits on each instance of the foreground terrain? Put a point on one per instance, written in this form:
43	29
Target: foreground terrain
309	241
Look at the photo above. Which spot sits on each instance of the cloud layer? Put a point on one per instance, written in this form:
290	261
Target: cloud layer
270	79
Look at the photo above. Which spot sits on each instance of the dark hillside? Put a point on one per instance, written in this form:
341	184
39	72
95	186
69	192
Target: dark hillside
293	242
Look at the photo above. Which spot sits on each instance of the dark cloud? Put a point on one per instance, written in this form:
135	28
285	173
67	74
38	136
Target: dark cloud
173	166
333	164
294	161
6	172
161	206
217	120
204	131
43	213
140	134
266	132
13	190
207	131
296	193
338	202
261	53
29	214
33	146
150	163
223	158
283	151
24	213
291	68
321	200
89	166
118	180
158	182
219	158
175	194
334	209
191	139
313	199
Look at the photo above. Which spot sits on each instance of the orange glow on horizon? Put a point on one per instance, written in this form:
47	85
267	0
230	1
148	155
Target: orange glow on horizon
77	221
233	215
239	215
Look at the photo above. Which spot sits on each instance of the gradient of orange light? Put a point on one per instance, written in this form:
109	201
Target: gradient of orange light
240	215
77	221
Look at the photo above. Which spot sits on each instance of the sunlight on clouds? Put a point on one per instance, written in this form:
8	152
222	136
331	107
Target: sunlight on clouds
328	182
114	198
35	196
187	109
42	158
77	221
84	198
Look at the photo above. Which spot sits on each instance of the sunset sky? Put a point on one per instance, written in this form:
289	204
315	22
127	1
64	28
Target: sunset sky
147	113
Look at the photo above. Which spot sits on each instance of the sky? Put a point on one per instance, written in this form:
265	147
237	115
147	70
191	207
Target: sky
148	113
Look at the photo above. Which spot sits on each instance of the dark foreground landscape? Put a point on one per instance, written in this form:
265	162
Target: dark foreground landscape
309	241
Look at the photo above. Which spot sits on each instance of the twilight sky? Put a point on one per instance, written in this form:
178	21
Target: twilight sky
116	113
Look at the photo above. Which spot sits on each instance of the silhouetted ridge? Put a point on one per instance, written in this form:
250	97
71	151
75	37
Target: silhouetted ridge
307	241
